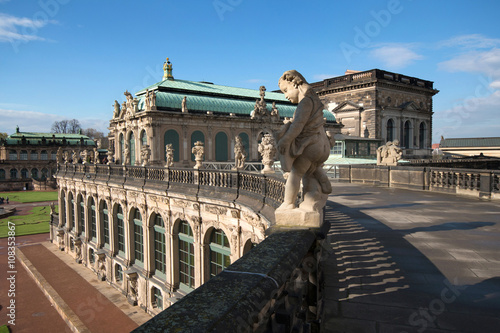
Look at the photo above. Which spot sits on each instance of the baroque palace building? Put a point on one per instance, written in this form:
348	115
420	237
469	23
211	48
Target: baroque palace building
154	231
377	106
28	160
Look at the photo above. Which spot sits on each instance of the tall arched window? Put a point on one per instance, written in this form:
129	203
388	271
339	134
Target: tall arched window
172	137
422	133
138	248
62	209
34	155
144	138
159	245
122	148
81	215
34	173
104	214
118	273
13	173
407	134
186	256
2	174
196	136
93	219
157	298
53	155
131	147
219	252
44	156
24	173
221	150
120	231
71	217
45	173
12	155
390	130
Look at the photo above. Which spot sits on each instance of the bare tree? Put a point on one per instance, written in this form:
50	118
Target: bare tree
3	135
93	133
66	126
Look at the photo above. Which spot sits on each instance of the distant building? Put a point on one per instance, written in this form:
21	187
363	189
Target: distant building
382	106
471	146
28	160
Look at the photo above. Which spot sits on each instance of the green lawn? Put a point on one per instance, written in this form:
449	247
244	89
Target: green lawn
30	196
36	222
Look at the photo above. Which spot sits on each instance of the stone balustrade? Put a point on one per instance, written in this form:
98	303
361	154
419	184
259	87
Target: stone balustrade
471	182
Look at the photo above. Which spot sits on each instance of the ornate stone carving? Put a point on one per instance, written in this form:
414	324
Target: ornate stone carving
74	157
126	154
59	155
60	239
180	203
132	288
260	111
275	115
145	155
389	154
169	151
116	112
96	156
267	148
150	100
78	250
303	147
240	154
198	151
216	210
101	265
235	213
184	105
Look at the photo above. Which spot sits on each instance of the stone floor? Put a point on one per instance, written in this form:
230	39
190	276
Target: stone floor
411	261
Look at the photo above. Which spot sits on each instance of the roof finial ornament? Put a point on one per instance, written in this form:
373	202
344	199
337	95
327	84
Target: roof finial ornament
167	70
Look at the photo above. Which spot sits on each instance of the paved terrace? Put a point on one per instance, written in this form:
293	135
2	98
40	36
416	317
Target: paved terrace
411	261
400	261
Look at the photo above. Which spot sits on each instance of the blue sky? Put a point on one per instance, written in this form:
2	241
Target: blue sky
65	59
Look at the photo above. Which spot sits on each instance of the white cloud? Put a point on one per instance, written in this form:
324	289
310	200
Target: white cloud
396	56
472	41
28	121
487	62
23	29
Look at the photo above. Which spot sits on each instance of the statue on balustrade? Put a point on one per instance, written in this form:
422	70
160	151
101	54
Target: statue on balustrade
198	152
169	151
303	147
96	156
145	155
389	154
240	154
74	157
126	154
267	149
59	155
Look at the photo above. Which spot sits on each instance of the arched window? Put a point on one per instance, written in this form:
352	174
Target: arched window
137	227
71	217
221	150
159	240
104	214
12	155
91	256
186	256
246	142
23	156
81	216
53	155
196	136
24	173
44	156
13	173
131	147
171	136
93	219
62	209
34	155
157	298
45	173
118	273
248	246
120	231
390	130
34	173
422	133
144	138
219	252
407	134
122	149
2	174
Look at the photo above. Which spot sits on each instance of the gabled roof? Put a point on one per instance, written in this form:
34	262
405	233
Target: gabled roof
348	105
470	142
409	106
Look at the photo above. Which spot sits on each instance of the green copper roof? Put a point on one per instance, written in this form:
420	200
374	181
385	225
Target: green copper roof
48	138
470	142
216	98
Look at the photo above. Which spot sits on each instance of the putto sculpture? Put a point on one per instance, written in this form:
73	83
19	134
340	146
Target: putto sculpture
303	147
267	148
145	155
169	152
389	154
240	154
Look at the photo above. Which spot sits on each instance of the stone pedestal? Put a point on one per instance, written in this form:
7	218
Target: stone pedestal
298	217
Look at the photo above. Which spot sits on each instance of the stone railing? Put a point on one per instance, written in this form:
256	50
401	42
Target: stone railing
472	182
276	287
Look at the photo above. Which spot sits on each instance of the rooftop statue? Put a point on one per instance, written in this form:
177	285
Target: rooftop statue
303	147
240	154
